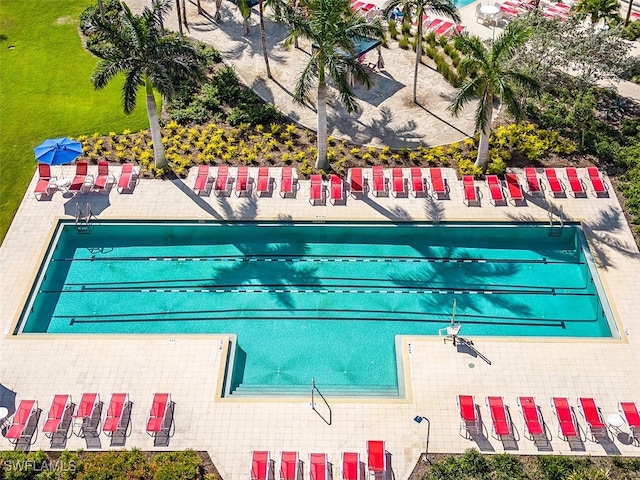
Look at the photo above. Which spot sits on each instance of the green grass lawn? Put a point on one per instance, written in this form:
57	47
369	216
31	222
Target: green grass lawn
46	91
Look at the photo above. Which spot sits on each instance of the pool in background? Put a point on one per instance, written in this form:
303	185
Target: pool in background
318	300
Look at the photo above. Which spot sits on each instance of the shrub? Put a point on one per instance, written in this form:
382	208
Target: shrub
496	166
506	467
558	467
404	42
466	167
177	466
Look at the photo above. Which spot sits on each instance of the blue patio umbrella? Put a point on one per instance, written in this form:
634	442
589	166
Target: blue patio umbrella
58	151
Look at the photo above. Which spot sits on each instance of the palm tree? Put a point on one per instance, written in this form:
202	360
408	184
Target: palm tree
491	78
417	9
331	27
137	46
245	10
598	10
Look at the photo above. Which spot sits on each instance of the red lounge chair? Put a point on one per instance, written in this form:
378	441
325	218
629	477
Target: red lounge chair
376	459
495	190
318	466
500	419
357	6
115	413
515	191
631	416
434	24
260	463
567	423
81	179
469	422
356	183
469	189
243	180
533	182
264	181
16	431
289	466
315	190
286	182
438	186
57	411
222	180
531	415
444	28
379	184
555	185
202	180
43	187
397	181
127	177
336	189
156	421
417	182
85	411
574	182
592	417
103	176
597	183
351	466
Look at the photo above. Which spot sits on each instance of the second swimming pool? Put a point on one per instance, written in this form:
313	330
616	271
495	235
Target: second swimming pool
318	300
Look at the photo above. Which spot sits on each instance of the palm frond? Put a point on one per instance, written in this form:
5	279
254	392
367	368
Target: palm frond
132	82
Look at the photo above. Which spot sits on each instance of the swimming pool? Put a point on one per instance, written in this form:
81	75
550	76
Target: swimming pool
317	300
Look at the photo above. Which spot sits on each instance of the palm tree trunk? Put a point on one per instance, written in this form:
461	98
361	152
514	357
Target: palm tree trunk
179	18
245	26
628	17
218	16
418	57
321	160
184	14
101	8
154	125
199	7
263	39
483	147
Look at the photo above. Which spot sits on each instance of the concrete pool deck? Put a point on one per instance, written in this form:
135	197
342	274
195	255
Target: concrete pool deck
188	366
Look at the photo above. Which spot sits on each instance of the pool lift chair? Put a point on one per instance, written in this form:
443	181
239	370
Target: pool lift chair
452	330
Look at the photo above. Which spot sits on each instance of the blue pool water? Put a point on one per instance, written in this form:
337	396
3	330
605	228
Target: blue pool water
317	300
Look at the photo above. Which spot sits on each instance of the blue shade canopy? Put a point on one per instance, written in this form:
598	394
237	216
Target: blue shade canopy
361	45
58	151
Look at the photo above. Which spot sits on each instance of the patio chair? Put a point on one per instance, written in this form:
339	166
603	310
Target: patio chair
54	423
287	182
631	416
17	430
222	180
555	185
438	184
289	465
336	189
513	185
469	190
451	332
444	28
264	181
316	190
202	180
102	180
45	181
592	417
128	178
82	180
379	182
567	423
500	418
115	420
417	182
397	182
318	466
598	185
533	423
376	457
157	418
260	463
532	181
575	184
356	182
83	416
243	181
351	469
495	190
469	420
